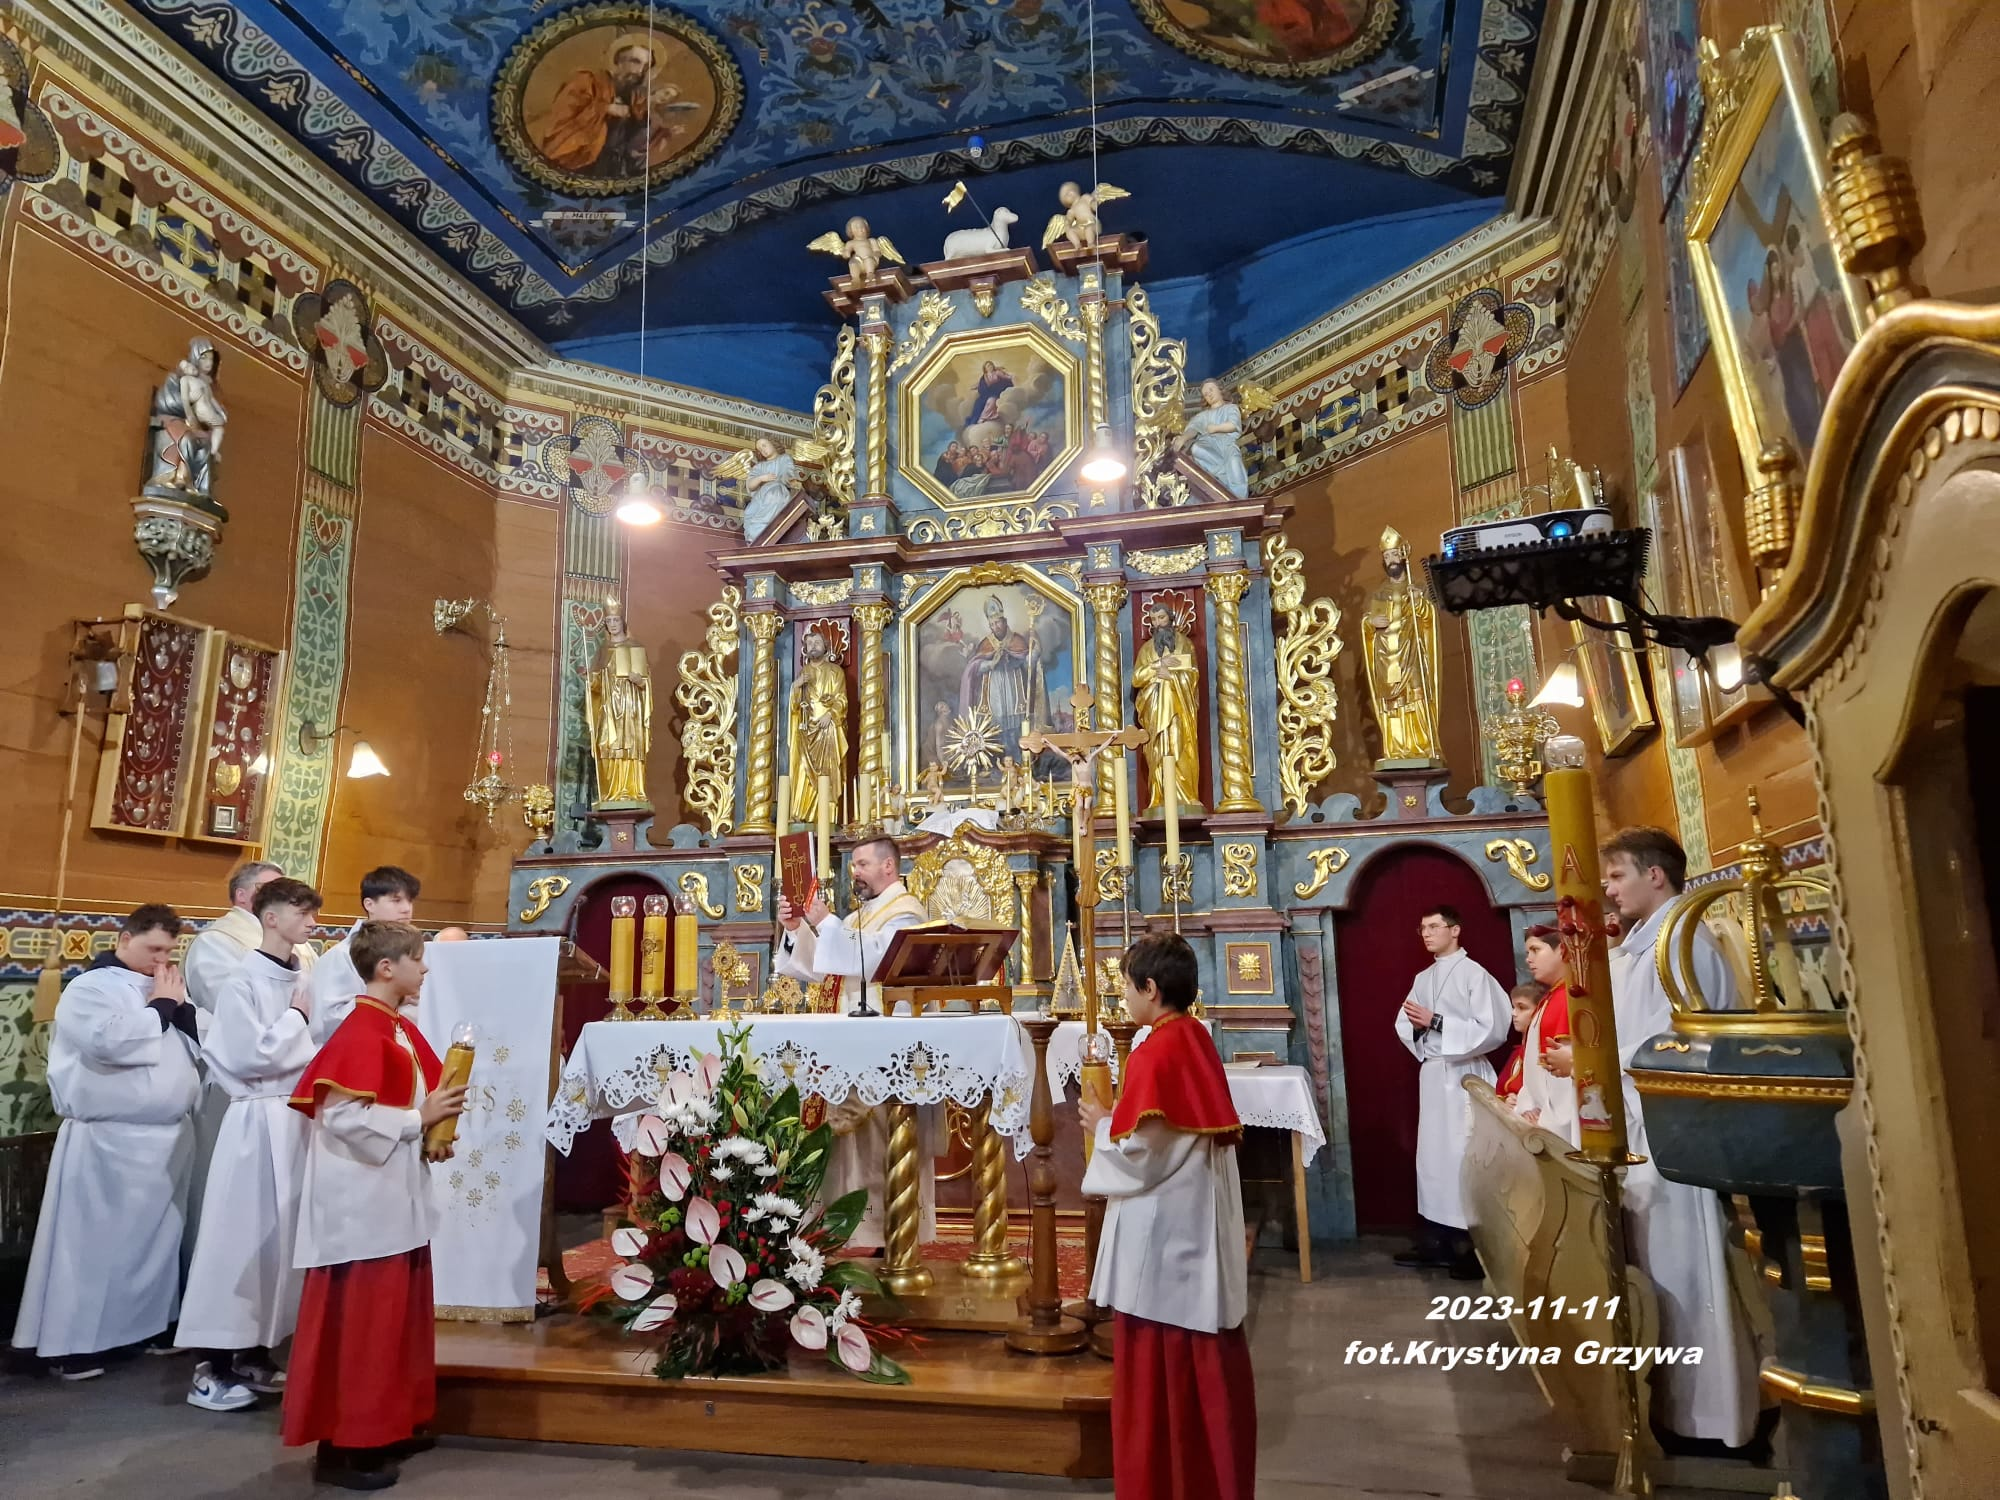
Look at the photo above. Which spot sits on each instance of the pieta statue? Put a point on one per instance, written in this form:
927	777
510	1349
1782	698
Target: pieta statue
618	709
818	725
1166	696
184	438
1399	639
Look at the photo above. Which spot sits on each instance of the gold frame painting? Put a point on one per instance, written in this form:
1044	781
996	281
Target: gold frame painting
1256	977
1783	314
1614	680
1039	360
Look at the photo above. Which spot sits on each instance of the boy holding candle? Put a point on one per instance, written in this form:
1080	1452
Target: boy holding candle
363	1379
1170	1261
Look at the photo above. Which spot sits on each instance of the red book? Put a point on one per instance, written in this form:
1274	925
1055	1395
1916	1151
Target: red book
795	870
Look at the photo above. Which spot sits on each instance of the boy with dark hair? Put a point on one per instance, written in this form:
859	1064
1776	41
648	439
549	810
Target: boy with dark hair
243	1292
363	1381
106	1267
1170	1261
388	894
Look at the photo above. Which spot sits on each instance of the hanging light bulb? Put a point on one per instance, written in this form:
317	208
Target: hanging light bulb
364	762
1563	686
638	507
1103	464
1725	665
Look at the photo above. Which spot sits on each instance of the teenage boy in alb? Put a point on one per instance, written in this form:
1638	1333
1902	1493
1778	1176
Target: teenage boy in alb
388	894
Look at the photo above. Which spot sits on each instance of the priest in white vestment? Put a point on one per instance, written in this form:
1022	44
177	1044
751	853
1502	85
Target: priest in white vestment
1455	1014
105	1270
242	1297
816	944
388	894
1677	1230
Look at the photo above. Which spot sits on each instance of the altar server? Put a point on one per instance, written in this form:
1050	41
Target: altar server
1455	1014
815	944
1548	1091
1677	1232
1525	1002
1171	1262
388	894
242	1296
363	1381
105	1270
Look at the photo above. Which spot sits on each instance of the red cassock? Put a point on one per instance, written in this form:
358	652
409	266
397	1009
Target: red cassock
363	1372
1183	1402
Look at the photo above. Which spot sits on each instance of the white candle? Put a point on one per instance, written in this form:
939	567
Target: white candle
864	796
1172	807
824	786
1121	808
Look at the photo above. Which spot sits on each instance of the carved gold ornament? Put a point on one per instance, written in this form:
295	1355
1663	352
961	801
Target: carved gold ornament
934	310
1308	701
1177	881
991	521
732	973
820	595
707	690
1249	966
1519	854
1159	396
1045	302
538	809
694	886
749	888
1168	564
1239	869
834	421
784	996
1326	863
1110	876
541	892
958	880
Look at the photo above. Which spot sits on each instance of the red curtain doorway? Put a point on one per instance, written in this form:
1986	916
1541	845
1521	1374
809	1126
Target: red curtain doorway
1376	954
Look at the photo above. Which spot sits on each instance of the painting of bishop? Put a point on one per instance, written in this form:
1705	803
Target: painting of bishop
1002	648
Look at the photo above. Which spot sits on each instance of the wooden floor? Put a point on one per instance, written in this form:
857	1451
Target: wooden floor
970	1404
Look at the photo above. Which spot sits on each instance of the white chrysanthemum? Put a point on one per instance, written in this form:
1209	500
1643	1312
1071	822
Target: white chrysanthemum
695	1117
765	1170
720	1173
849	1308
741	1148
808	1267
779	1209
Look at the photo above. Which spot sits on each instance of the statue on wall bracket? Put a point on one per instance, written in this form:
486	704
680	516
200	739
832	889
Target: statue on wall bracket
1399	639
178	522
618	710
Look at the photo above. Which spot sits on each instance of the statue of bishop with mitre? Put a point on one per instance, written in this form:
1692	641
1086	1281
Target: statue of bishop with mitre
618	708
1399	636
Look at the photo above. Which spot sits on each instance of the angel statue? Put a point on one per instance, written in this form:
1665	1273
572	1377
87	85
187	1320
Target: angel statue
1213	439
770	476
865	251
1077	223
184	437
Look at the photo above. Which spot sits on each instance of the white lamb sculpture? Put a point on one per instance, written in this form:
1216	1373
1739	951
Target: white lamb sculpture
961	243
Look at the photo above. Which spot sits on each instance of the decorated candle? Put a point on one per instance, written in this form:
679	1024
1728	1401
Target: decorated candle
687	950
653	950
624	942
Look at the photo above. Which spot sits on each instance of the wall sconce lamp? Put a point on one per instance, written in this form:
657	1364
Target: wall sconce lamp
364	762
1563	686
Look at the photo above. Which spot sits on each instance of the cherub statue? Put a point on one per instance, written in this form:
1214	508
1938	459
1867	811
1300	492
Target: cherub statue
932	782
864	250
186	429
770	476
1077	223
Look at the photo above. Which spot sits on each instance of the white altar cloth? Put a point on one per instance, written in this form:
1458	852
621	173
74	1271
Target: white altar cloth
617	1066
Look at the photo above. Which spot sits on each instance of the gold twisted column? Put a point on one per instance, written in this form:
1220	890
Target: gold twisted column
1092	311
877	335
874	669
759	786
1239	789
903	1270
1025	882
989	1260
1106	599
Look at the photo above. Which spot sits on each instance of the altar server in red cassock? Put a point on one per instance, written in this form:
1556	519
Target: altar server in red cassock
1171	1260
363	1378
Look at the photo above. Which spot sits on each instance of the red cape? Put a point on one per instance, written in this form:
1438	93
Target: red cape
364	1058
1176	1075
1555	1017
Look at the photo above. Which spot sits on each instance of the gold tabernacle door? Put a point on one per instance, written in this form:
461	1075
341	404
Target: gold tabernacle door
937	962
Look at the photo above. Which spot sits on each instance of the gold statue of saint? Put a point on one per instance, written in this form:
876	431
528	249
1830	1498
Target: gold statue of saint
818	729
1167	700
1399	637
618	708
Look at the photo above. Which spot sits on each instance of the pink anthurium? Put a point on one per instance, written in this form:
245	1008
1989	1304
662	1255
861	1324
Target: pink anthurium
726	1265
659	1312
853	1348
679	1088
629	1242
703	1222
675	1175
770	1296
809	1328
632	1282
650	1139
707	1072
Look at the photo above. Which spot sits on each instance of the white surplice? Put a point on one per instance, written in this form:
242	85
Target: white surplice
333	987
367	1189
1475	1018
1172	1249
1677	1232
1540	1089
242	1289
854	948
106	1266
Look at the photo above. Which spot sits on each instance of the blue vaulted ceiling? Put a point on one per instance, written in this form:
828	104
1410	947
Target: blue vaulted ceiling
1236	125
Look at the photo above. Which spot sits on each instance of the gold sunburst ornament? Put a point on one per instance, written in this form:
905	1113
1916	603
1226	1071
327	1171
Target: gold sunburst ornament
972	743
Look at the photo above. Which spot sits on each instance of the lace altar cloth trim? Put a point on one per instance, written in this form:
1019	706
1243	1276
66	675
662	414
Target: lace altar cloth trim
621	1065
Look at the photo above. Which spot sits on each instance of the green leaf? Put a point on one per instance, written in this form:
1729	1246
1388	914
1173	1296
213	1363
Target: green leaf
881	1370
852	1275
842	1217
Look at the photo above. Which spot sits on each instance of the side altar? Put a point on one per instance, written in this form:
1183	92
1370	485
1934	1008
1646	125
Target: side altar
1013	518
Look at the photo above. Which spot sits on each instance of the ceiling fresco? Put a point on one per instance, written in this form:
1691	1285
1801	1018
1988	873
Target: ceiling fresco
538	147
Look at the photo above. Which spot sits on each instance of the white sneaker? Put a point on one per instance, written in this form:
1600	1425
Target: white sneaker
212	1393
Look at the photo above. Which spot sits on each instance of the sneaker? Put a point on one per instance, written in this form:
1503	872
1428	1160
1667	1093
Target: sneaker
211	1392
256	1373
84	1367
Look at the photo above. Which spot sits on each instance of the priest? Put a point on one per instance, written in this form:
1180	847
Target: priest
106	1266
816	944
388	894
1454	1015
1677	1231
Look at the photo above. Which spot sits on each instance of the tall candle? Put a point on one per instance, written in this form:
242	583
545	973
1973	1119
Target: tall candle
783	820
653	950
864	797
687	953
1121	809
1171	805
780	826
824	826
624	943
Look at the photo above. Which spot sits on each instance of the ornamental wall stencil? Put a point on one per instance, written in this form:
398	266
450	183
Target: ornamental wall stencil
336	328
28	148
593	456
1483	337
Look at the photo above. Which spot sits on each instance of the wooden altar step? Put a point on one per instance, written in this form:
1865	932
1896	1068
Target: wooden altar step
971	1404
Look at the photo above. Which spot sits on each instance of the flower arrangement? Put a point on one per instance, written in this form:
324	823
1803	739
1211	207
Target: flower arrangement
727	1252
